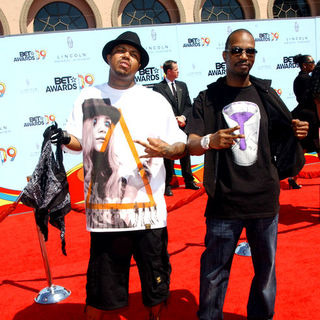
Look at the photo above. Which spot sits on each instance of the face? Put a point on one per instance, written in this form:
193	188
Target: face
309	64
124	60
101	125
173	73
240	55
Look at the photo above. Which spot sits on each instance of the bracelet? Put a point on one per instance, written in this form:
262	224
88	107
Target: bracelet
205	142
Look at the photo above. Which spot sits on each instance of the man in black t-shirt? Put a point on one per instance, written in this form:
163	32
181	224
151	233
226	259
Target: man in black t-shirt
250	142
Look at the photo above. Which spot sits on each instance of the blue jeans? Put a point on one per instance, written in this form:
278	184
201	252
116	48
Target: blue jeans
221	240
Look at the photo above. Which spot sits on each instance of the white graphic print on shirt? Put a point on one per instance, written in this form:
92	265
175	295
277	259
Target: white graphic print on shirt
124	195
114	185
246	115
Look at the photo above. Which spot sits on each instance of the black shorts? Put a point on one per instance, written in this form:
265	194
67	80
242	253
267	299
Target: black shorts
108	270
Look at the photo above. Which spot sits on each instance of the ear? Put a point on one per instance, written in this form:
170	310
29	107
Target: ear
108	58
224	55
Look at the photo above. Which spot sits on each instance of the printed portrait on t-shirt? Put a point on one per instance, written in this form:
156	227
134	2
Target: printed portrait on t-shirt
113	175
246	115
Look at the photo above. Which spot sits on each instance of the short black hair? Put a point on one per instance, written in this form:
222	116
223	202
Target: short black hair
232	33
168	65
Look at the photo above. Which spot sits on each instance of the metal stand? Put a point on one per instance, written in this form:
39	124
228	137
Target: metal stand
243	249
52	293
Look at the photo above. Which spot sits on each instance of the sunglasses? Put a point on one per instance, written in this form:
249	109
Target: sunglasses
238	51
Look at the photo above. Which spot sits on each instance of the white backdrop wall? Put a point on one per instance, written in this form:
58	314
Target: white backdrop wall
42	74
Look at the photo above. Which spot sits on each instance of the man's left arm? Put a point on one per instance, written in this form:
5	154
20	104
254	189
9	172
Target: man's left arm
300	128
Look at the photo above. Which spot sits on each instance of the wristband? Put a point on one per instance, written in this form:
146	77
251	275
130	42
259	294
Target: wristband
205	142
66	138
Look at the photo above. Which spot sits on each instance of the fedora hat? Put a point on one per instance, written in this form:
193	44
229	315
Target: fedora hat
130	38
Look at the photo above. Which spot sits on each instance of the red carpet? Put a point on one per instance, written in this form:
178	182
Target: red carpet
22	274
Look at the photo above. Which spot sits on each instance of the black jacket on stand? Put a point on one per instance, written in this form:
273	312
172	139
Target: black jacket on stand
48	190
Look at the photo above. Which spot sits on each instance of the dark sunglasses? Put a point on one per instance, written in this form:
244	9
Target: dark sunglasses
239	51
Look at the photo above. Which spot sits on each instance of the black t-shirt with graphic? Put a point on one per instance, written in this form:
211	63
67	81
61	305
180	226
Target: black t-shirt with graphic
247	181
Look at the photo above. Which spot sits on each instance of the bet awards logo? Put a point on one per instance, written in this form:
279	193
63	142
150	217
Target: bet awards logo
2	89
7	153
30	56
197	42
220	69
278	91
266	36
85	81
68	83
148	74
287	63
40	121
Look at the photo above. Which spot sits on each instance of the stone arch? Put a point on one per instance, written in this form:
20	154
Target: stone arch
250	9
31	7
4	26
174	8
314	7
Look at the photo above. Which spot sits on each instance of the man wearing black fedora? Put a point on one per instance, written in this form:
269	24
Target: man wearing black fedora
125	206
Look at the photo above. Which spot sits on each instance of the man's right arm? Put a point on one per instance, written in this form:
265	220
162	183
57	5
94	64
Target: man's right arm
60	136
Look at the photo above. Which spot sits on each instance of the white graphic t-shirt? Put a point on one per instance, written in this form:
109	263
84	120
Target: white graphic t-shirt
123	192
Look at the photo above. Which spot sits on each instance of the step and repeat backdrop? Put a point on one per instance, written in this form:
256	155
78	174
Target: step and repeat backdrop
42	74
